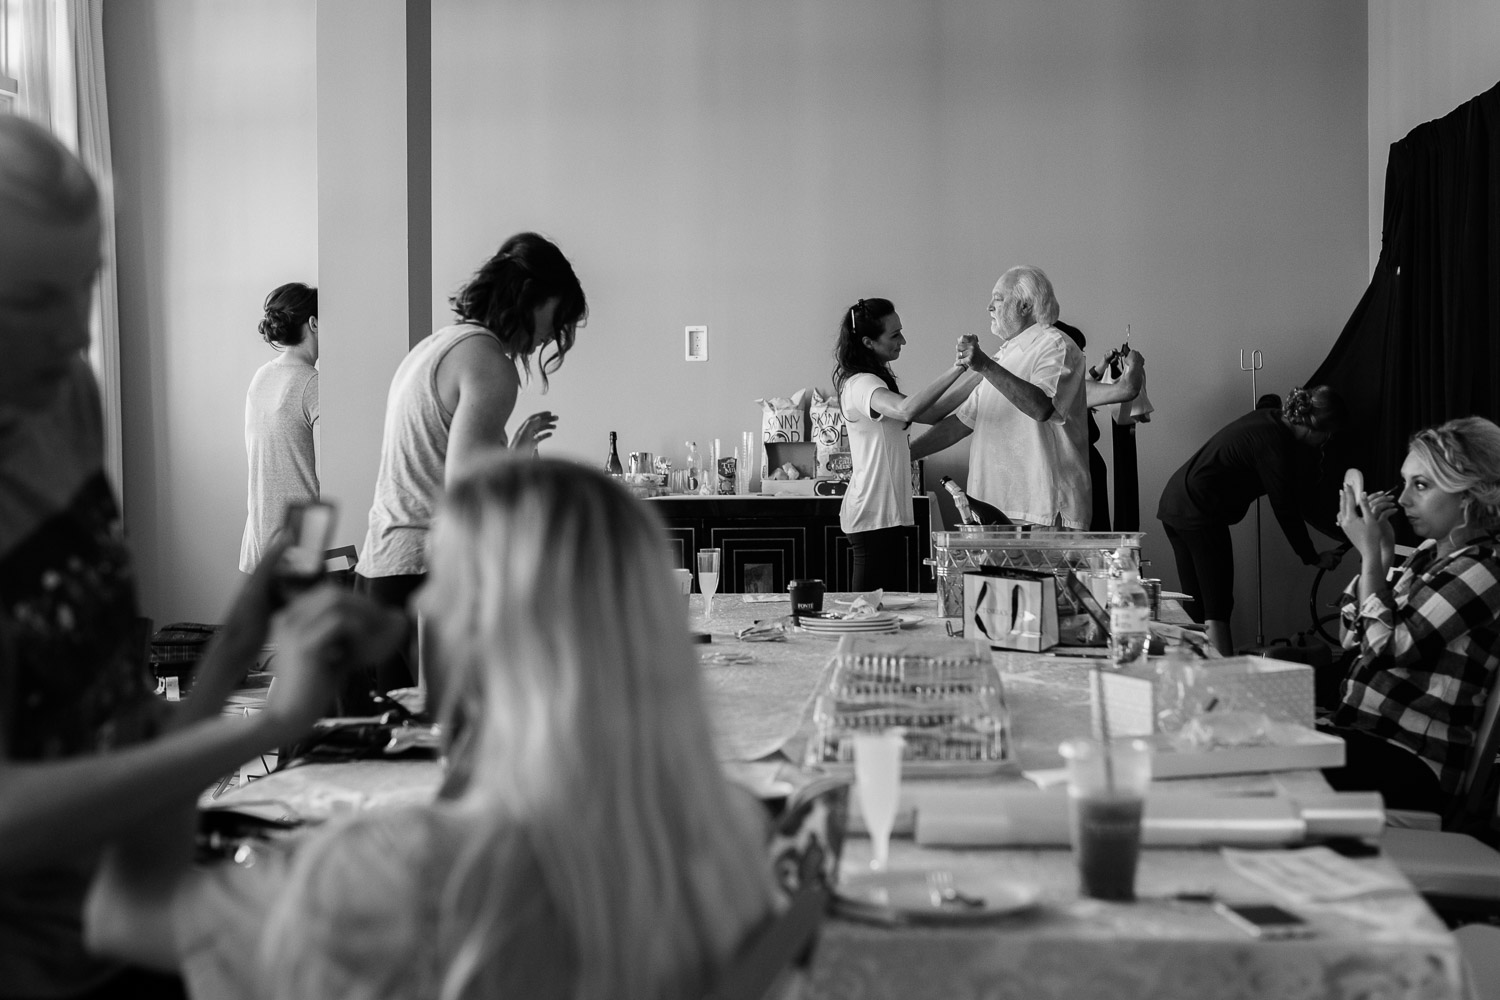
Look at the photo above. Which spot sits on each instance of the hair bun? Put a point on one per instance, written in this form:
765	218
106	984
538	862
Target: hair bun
276	324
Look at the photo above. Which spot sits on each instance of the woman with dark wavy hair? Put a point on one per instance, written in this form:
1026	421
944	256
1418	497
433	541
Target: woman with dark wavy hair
281	410
450	400
877	505
1263	453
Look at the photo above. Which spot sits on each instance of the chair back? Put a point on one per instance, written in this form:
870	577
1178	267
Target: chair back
1477	800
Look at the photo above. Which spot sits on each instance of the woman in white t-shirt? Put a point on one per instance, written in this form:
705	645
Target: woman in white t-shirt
878	503
281	410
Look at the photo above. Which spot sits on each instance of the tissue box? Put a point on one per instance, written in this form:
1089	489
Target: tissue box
1283	690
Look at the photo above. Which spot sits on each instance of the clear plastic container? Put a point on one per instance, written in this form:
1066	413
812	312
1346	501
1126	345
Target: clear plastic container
955	552
945	694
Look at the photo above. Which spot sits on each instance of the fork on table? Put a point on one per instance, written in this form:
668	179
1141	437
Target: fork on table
940	884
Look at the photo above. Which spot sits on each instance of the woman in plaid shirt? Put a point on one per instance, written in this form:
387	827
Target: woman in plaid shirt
1428	644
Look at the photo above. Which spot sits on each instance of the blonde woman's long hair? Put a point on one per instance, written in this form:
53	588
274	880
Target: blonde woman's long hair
572	699
1464	456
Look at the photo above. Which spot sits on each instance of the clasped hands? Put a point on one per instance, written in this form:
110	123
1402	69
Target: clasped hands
970	356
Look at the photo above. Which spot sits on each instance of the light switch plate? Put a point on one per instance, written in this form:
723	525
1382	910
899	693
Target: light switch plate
696	339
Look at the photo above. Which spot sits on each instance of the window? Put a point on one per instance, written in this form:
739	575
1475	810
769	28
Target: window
9	87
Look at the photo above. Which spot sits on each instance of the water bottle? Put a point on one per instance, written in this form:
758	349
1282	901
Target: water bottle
1129	615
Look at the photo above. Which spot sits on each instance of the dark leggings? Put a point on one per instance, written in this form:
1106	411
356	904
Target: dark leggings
394	592
879	559
1205	565
1372	765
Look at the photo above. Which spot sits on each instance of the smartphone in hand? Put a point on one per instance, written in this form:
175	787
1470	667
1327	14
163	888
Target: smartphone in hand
310	526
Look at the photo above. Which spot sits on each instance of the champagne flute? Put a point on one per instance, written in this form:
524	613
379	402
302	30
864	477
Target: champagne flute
708	579
877	779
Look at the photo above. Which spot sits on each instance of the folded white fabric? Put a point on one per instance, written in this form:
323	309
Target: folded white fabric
1017	817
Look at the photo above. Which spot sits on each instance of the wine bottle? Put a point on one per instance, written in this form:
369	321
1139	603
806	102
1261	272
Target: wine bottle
612	463
972	510
960	501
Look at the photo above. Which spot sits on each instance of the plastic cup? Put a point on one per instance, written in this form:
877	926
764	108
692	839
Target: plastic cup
877	780
684	578
1106	797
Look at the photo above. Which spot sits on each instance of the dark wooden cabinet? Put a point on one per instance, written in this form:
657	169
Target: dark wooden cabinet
768	541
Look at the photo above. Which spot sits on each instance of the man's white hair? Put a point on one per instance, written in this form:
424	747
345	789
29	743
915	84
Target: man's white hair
1030	285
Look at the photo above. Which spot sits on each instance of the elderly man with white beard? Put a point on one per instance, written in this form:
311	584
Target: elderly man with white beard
1025	408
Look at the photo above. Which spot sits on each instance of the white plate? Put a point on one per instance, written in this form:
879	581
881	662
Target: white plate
905	897
907	621
869	625
811	621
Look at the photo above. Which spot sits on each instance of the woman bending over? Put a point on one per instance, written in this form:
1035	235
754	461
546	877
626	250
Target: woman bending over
1263	453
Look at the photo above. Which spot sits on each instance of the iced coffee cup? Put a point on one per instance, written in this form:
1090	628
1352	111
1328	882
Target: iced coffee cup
1107	795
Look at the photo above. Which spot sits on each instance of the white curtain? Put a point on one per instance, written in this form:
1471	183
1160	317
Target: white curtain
58	50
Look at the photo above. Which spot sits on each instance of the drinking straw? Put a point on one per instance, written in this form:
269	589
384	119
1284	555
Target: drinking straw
1109	761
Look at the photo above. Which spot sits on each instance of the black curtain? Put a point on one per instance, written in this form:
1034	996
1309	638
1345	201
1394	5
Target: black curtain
1423	345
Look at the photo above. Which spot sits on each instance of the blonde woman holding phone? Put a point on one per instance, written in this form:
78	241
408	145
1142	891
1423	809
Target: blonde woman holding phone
585	843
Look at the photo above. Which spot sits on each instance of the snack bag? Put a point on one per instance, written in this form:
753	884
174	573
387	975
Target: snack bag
781	420
830	435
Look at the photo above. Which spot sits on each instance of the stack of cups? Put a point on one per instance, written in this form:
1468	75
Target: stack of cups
748	462
684	579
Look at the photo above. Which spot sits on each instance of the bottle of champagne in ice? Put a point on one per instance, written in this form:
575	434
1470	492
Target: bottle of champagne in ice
612	461
1129	614
972	510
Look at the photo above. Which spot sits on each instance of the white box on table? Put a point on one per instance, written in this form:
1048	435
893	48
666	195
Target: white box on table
1281	689
1290	748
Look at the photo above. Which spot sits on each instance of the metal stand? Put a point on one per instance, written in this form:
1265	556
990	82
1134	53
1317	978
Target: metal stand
1257	362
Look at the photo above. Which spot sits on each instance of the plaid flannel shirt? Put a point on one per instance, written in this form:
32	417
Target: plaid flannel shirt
1428	651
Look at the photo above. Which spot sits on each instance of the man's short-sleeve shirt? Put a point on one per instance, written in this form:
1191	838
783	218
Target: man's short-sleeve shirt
1034	471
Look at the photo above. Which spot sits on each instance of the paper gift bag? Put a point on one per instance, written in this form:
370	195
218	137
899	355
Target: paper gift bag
1011	608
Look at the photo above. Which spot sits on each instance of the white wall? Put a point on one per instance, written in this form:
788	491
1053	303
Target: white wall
214	130
1194	169
1425	60
362	205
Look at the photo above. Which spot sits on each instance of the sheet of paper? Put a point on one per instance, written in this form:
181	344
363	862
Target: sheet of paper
1309	874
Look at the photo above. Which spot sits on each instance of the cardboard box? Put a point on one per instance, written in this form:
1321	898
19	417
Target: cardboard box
804	457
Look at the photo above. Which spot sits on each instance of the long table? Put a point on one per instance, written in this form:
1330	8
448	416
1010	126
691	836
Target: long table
1161	946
